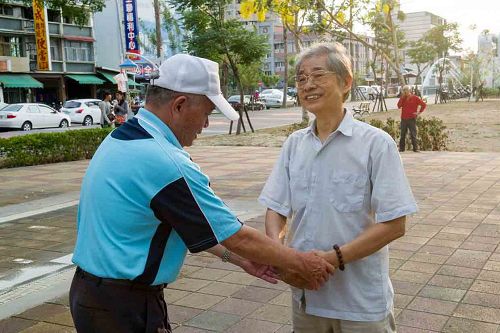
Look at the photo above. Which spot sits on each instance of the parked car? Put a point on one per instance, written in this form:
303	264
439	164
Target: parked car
249	103
83	111
366	91
275	99
2	105
26	116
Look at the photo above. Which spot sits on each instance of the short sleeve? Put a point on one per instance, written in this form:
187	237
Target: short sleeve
391	193
194	211
276	192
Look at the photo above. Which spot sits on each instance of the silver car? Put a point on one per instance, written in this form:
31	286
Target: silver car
26	116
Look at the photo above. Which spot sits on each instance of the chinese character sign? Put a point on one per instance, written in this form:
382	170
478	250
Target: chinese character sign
131	31
41	36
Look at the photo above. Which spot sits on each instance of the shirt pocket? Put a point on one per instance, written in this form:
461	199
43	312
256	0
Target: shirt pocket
347	192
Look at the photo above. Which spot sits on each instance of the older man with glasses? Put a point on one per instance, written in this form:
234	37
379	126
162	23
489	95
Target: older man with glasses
342	183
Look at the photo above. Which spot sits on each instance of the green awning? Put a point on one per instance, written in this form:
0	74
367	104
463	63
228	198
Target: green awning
19	81
132	83
85	78
108	76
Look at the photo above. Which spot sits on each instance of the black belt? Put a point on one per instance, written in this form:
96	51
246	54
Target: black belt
118	282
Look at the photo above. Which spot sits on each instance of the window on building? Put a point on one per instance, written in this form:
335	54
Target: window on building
268	73
28	13
279	64
78	51
55	50
30	48
6	10
53	15
10	46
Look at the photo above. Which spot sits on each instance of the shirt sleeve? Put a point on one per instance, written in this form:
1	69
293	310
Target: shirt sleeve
194	211
422	104
391	193
276	192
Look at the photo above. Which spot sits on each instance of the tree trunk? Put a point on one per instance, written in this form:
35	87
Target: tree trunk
156	5
285	76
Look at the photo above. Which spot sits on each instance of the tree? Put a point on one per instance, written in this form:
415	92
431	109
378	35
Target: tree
250	76
224	41
421	54
78	10
270	80
442	39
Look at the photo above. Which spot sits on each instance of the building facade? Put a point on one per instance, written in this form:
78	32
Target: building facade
72	58
488	53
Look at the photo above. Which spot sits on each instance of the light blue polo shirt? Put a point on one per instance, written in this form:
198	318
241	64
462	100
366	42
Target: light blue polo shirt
143	204
333	191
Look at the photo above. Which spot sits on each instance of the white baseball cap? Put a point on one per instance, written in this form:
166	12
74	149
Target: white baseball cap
189	74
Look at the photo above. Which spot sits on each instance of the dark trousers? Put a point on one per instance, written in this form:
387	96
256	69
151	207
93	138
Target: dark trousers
103	306
410	124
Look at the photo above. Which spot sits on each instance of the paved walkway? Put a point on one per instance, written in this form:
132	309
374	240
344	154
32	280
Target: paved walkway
445	270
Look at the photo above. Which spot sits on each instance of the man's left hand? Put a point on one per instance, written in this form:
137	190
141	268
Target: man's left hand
264	272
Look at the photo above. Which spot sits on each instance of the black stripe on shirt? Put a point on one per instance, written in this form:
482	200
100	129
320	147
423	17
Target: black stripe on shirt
131	130
176	206
155	255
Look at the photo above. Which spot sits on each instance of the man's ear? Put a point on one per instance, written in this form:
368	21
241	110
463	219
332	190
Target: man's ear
178	104
347	84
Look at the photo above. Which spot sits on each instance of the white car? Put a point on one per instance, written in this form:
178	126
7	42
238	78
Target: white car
275	99
26	116
83	111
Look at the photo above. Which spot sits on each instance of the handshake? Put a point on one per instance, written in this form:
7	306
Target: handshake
316	270
309	270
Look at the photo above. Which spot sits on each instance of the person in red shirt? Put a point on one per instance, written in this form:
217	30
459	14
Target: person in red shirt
408	104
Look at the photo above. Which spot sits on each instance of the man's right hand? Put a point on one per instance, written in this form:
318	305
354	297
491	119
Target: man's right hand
314	272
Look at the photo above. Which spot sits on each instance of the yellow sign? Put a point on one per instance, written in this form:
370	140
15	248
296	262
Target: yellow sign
42	36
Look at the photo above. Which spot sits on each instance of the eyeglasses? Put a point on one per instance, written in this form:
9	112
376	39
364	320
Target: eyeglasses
317	77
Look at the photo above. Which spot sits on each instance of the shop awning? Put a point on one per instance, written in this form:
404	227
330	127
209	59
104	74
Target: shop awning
19	81
108	76
132	83
85	78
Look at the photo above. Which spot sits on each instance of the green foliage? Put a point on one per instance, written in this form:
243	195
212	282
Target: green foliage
43	148
431	132
250	76
270	80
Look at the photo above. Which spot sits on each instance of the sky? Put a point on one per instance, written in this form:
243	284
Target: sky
485	14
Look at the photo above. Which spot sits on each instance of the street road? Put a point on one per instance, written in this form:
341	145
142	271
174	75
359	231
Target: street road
220	125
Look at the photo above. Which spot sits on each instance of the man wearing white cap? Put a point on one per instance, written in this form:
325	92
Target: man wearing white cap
134	231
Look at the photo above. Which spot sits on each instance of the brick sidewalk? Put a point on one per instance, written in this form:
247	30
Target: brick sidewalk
445	270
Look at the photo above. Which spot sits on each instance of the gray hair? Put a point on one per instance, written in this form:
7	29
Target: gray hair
160	96
338	60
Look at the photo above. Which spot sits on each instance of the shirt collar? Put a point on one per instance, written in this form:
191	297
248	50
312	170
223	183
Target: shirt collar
345	126
160	126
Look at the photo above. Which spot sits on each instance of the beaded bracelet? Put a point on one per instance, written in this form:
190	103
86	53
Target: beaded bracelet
339	256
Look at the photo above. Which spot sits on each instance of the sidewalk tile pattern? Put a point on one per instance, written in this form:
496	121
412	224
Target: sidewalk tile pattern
445	270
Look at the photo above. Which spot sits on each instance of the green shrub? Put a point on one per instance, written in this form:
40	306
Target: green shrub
431	132
43	148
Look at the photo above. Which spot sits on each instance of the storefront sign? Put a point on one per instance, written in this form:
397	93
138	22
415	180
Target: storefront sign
42	36
131	30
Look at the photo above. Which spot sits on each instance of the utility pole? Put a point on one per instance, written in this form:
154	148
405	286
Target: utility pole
156	5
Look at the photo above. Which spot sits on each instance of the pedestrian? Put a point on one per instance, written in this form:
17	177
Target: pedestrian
342	183
256	95
480	92
120	108
144	203
411	106
105	107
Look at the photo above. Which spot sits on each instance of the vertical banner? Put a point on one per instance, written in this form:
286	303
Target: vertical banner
131	31
41	36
